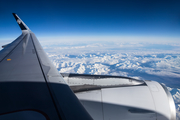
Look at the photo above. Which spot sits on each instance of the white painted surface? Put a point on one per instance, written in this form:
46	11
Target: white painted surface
115	103
92	102
160	100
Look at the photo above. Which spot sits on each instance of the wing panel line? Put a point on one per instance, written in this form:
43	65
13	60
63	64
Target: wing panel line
46	79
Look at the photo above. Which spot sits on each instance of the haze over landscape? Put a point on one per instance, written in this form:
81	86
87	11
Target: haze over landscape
139	39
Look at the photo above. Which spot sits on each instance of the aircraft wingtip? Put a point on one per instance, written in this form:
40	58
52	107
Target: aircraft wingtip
15	16
20	22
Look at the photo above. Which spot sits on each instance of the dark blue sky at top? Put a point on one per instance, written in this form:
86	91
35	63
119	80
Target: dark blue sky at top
87	17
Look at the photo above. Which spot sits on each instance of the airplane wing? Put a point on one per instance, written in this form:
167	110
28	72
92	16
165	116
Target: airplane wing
30	82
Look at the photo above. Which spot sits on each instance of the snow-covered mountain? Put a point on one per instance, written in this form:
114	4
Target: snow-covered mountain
162	65
132	65
175	92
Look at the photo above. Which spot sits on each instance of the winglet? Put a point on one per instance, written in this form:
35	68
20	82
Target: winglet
21	24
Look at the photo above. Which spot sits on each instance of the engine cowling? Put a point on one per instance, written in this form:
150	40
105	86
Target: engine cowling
115	97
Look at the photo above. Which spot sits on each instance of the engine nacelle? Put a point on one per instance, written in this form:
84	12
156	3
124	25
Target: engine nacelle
115	97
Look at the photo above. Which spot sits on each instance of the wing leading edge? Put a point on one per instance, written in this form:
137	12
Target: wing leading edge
29	81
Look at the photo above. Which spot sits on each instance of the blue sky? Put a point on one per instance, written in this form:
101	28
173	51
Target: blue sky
54	18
